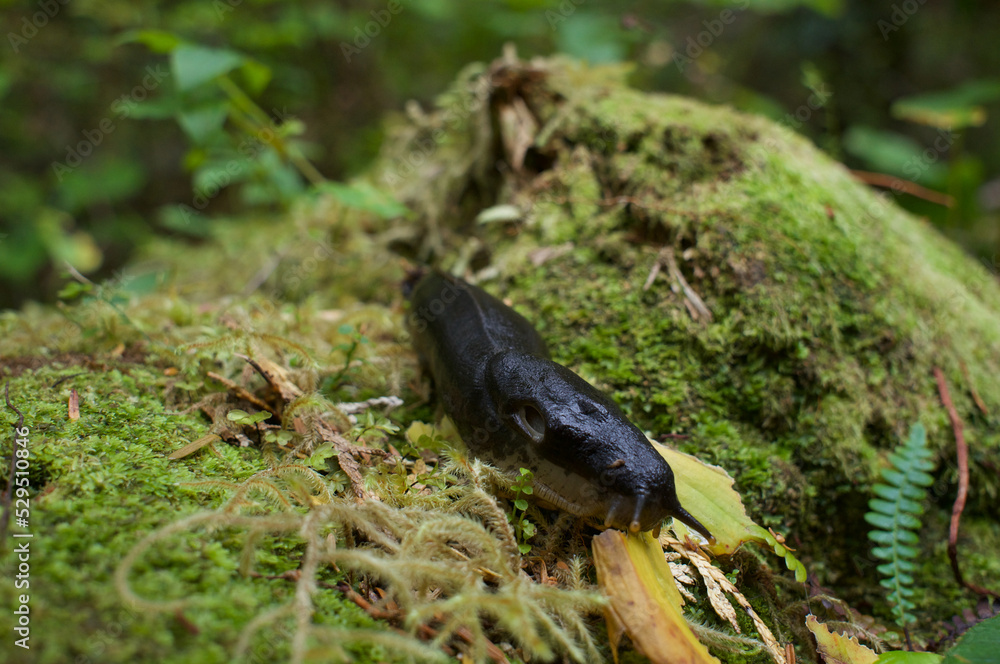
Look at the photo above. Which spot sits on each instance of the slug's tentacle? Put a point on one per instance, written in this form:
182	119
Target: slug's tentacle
682	515
612	516
634	526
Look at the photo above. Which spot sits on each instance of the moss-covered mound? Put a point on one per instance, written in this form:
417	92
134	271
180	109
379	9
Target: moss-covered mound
724	280
727	281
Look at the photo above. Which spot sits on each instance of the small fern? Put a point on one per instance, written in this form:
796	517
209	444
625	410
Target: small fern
895	515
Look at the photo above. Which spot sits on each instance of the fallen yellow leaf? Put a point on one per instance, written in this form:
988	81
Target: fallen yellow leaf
707	492
644	600
836	648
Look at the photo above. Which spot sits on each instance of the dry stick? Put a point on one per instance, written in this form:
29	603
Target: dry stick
905	186
962	457
242	393
696	306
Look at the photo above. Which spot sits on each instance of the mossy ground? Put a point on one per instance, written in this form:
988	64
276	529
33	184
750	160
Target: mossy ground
106	483
829	310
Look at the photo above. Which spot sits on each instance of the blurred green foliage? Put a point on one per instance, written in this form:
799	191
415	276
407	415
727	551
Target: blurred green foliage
120	120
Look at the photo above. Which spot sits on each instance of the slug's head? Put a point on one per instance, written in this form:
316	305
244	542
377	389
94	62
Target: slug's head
585	453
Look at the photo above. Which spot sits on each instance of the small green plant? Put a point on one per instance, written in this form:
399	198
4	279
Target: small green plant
246	419
372	428
233	141
524	529
349	349
895	514
281	437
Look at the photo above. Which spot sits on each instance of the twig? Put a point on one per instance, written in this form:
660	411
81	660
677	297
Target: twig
65	378
962	457
242	393
696	306
653	273
905	186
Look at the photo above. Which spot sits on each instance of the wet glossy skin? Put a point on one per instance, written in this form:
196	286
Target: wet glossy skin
516	408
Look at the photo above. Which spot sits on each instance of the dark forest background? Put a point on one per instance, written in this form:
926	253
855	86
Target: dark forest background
121	120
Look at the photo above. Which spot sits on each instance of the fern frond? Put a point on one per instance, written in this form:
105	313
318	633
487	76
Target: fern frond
896	516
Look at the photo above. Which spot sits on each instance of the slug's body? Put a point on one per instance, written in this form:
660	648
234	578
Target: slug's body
516	408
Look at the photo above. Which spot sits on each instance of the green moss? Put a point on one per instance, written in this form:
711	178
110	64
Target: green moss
106	483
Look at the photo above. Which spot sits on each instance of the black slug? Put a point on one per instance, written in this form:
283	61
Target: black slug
516	408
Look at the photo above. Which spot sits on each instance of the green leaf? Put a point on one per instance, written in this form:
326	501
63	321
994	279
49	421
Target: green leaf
201	123
885	491
882	506
881	537
157	41
256	75
184	219
904	657
919	478
950	109
213	176
365	197
595	37
521	504
908	521
978	645
881	521
193	65
73	290
890	152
